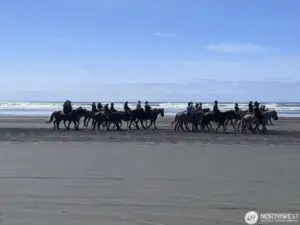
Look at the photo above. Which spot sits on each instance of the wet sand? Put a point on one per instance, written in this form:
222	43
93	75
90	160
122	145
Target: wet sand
144	177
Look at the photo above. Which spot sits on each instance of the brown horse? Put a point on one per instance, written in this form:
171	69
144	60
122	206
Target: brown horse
219	118
182	118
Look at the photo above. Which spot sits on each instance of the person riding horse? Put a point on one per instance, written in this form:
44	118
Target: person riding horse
99	106
112	108
190	109
66	107
216	108
126	107
138	106
200	107
250	107
236	108
148	109
258	114
94	108
70	108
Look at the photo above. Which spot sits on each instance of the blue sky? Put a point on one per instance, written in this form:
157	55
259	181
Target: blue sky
158	50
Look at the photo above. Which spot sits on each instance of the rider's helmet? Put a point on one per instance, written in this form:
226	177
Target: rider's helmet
216	102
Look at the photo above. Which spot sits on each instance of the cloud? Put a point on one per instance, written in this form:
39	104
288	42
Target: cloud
234	48
159	34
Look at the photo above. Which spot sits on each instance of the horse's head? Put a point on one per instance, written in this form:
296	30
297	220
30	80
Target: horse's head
161	112
274	115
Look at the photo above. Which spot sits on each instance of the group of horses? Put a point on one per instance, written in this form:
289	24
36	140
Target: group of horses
106	118
240	121
198	121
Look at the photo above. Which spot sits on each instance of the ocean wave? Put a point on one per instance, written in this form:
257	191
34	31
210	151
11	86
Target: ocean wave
170	107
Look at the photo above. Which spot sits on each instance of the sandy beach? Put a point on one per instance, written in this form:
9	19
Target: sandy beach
144	177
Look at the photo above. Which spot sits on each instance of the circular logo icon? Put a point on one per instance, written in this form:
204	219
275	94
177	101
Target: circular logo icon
251	217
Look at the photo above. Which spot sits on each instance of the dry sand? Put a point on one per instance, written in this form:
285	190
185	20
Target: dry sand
144	177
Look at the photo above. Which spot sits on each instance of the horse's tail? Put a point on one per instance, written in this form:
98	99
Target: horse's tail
175	119
242	122
51	118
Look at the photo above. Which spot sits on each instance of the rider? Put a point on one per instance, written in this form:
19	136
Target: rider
257	113
94	108
197	106
190	108
126	107
138	105
112	108
236	108
99	106
65	107
200	106
105	108
216	108
70	108
250	105
147	108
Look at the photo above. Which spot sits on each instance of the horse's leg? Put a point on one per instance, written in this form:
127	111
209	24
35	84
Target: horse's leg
219	125
99	125
155	127
128	124
224	128
117	125
186	125
175	127
142	123
232	125
270	120
69	125
93	124
137	124
226	122
151	122
108	125
76	126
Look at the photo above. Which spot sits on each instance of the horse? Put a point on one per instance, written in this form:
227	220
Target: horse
232	115
88	115
184	118
270	114
138	116
219	117
74	116
153	117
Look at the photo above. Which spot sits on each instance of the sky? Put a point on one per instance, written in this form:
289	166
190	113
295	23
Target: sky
155	50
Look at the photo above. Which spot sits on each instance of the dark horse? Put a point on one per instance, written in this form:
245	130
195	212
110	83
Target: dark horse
74	116
109	118
232	115
88	115
153	116
142	116
219	117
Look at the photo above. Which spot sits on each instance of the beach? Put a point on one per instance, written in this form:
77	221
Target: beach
144	177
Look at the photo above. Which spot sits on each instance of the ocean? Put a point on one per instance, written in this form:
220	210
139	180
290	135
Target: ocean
284	109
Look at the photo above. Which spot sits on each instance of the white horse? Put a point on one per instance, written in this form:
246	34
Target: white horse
249	119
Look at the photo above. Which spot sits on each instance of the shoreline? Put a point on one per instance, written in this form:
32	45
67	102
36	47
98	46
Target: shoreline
286	131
